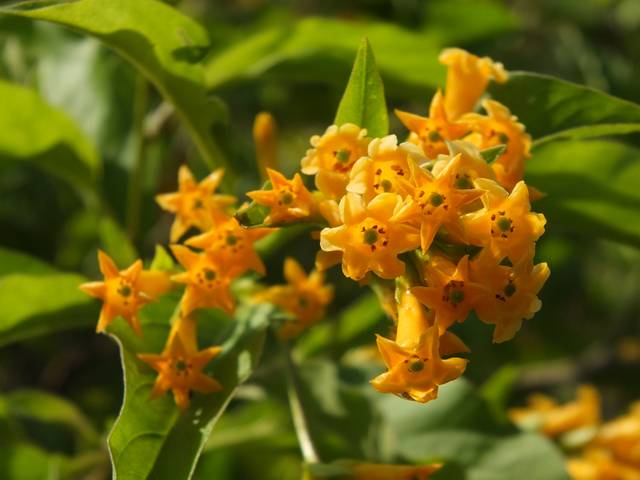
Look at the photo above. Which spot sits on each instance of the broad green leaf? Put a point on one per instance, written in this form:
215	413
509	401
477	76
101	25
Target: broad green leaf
160	41
363	101
551	108
153	438
36	299
33	131
591	187
322	49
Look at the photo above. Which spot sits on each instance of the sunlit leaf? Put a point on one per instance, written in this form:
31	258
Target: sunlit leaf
160	41
363	102
551	108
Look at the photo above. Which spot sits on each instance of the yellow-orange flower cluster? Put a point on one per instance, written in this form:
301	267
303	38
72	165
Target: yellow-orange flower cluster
601	451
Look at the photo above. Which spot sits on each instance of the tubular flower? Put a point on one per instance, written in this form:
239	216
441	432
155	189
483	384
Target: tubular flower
207	279
234	243
500	127
305	297
332	156
195	204
435	202
431	132
506	224
415	373
450	291
368	238
554	419
373	471
179	369
467	79
386	167
288	200
265	137
511	293
124	292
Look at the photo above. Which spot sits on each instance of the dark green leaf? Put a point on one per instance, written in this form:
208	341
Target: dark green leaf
160	41
363	102
551	108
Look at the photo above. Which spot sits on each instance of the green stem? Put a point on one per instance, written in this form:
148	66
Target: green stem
298	416
134	196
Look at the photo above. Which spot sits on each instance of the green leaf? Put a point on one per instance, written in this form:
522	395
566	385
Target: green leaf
162	261
36	299
490	155
116	242
162	43
551	108
591	187
153	438
323	49
33	131
363	101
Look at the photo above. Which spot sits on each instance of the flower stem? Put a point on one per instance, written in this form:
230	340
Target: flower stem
297	412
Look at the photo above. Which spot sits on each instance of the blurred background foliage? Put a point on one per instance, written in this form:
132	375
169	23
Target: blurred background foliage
291	58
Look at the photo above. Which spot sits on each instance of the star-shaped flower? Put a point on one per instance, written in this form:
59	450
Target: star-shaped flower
432	132
467	79
368	238
386	167
332	156
234	244
179	369
207	280
288	200
511	293
450	292
470	166
124	292
434	202
506	224
195	204
496	128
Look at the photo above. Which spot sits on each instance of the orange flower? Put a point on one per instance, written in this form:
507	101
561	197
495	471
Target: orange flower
265	137
435	202
385	168
305	297
207	279
179	368
511	293
416	372
600	464
288	200
500	127
194	204
234	244
332	157
506	224
622	437
467	79
554	419
450	291
124	292
432	131
470	166
368	238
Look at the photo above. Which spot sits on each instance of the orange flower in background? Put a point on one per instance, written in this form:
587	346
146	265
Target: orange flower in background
506	224
124	292
500	127
386	167
368	238
467	79
450	292
511	293
622	437
553	419
195	204
179	368
288	200
234	243
304	296
265	137
432	132
416	372
332	156
207	279
435	202
600	464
